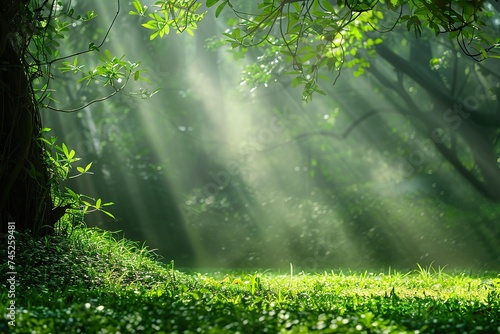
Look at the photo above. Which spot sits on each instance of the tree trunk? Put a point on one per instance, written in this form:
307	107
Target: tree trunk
24	177
476	136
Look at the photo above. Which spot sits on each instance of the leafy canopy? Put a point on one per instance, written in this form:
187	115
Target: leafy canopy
310	35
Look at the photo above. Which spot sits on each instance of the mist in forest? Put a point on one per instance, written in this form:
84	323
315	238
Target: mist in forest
213	172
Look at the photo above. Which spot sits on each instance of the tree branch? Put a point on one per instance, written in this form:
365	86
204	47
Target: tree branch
341	136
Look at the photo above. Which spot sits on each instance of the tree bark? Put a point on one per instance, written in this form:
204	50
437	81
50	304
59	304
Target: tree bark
26	197
477	136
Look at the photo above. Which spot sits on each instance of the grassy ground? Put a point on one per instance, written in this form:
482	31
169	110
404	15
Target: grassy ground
90	283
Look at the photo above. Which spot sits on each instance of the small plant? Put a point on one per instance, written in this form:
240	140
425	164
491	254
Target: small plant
255	284
61	161
429	272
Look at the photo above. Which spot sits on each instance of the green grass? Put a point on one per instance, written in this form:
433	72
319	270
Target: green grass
88	282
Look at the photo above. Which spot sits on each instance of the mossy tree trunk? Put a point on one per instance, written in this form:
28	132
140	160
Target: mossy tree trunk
24	176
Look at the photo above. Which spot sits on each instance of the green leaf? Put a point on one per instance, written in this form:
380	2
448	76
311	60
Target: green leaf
154	35
359	72
72	193
220	8
150	25
45	141
90	15
328	6
93	47
88	167
236	33
108	54
137	5
108	213
140	10
165	30
80	169
65	149
98	203
210	3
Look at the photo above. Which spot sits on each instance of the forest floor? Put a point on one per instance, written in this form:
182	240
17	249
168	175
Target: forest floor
87	282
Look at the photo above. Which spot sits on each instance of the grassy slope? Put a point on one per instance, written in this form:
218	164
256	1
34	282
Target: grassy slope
90	283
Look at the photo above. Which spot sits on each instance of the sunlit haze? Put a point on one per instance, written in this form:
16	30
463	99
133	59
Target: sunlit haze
212	172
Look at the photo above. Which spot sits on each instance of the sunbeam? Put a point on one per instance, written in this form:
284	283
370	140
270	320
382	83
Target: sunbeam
217	171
